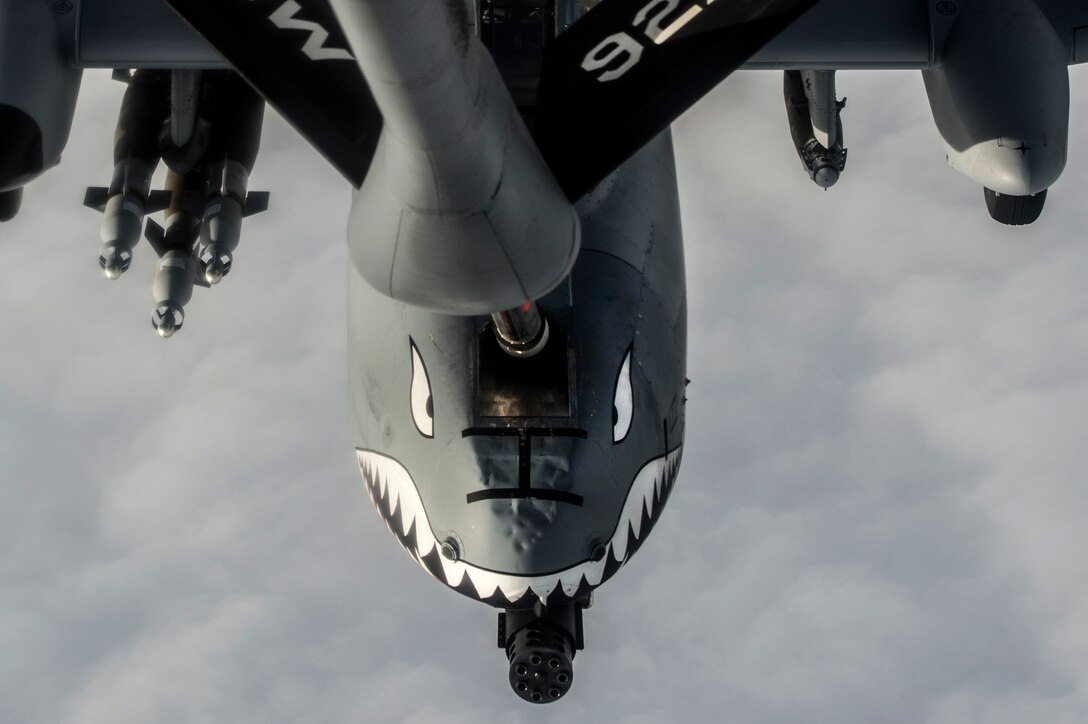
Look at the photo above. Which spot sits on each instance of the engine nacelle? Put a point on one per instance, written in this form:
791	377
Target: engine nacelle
1000	98
38	89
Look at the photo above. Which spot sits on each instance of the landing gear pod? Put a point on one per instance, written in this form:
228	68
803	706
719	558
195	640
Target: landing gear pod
1000	99
38	89
236	140
540	644
1014	210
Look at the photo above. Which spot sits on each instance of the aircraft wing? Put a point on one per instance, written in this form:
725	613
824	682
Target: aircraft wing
629	68
609	84
294	53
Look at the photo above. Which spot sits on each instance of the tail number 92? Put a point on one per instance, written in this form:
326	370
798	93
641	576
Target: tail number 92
620	52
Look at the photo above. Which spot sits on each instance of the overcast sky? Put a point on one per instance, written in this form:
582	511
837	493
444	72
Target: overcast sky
880	515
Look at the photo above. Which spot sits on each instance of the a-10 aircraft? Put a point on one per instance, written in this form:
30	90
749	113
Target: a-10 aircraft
517	296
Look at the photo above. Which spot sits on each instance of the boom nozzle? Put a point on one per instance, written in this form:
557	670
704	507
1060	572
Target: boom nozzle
522	331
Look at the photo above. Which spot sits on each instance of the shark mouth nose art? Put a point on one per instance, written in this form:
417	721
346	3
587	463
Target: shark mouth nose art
394	494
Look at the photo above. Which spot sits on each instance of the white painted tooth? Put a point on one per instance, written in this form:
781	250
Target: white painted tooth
390	484
636	519
595	571
394	503
544	590
619	541
514	589
488	592
485	582
408	511
455	572
450	569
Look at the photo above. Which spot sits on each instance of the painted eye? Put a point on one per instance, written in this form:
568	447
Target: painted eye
422	405
623	406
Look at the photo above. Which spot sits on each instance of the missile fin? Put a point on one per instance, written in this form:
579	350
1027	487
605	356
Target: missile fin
256	202
96	198
157	201
156	236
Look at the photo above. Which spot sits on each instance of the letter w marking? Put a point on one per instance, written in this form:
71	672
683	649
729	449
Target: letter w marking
284	18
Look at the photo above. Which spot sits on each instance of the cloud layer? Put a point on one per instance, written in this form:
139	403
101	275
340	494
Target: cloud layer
879	516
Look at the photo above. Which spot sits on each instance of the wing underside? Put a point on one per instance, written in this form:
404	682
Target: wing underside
295	55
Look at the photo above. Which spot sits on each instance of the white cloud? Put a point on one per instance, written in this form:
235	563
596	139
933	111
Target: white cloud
879	516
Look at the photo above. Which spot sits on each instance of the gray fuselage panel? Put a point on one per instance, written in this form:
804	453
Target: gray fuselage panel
624	296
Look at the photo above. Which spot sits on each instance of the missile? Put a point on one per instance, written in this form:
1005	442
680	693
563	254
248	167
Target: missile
135	156
238	118
212	123
172	288
123	215
815	124
219	236
124	219
176	272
